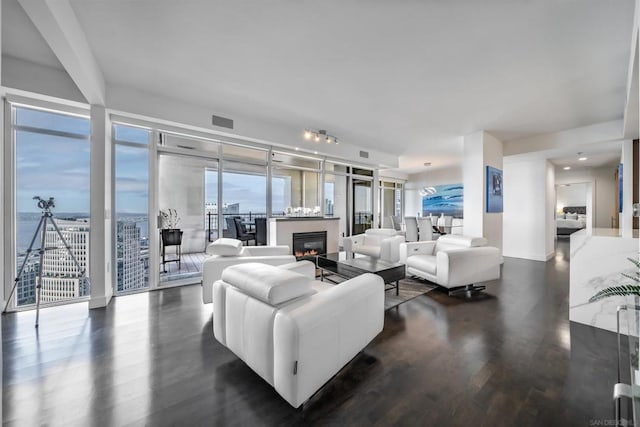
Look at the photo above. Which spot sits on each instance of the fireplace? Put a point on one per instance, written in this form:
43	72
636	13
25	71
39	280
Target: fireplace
308	245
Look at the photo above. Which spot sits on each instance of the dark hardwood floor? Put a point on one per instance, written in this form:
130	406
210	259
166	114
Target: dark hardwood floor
509	358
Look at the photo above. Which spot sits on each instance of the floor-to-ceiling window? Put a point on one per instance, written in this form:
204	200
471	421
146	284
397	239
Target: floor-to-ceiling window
51	159
362	200
131	159
391	201
244	185
295	185
336	183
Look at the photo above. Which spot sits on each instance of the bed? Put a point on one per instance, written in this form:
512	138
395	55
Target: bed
572	219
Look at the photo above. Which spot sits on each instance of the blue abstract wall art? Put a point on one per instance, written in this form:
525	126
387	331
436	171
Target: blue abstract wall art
448	200
494	190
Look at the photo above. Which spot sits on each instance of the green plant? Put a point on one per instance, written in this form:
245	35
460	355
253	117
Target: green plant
622	290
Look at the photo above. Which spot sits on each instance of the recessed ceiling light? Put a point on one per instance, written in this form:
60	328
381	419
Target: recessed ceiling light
582	159
297	148
566	168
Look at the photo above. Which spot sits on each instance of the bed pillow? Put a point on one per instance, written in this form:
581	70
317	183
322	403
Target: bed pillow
560	216
582	217
572	215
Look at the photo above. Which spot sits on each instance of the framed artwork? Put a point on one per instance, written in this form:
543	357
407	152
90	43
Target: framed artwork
445	199
494	190
620	187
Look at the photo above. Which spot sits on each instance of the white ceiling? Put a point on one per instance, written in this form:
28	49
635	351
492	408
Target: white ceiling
406	77
595	159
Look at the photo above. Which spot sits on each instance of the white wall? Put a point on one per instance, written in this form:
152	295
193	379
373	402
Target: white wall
604	184
626	216
20	74
571	195
413	199
550	222
198	117
481	149
529	200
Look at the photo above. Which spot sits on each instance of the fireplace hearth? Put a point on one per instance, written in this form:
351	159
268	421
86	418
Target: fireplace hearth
308	245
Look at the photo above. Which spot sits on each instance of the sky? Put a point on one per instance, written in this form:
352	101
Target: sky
57	166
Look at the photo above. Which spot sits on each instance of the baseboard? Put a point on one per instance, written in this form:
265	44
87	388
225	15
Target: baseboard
530	257
99	302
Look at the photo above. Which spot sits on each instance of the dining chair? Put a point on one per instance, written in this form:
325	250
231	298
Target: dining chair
411	228
261	231
425	230
242	234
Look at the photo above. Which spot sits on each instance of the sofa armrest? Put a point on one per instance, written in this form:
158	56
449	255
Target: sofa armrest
461	267
390	248
349	242
266	250
213	266
314	340
306	268
416	248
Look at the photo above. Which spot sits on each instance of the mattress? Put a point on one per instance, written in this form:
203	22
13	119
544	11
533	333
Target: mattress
571	223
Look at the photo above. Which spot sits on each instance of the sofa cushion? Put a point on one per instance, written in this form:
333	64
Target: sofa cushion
267	283
426	263
225	247
369	250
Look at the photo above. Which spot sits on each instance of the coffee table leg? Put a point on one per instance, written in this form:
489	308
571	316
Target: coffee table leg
397	286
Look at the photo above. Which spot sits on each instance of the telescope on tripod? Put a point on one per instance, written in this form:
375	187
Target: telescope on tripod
47	217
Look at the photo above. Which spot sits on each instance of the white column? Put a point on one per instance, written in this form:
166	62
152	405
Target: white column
529	205
626	216
481	149
100	235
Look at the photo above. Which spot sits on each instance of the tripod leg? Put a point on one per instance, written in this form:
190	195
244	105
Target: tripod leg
24	263
41	269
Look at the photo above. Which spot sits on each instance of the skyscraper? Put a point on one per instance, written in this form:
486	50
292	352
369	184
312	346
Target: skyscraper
131	266
61	278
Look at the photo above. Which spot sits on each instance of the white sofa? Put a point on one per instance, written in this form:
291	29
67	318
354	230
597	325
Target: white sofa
225	252
381	243
455	262
293	331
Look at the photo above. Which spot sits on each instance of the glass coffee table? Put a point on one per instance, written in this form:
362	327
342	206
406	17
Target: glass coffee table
391	273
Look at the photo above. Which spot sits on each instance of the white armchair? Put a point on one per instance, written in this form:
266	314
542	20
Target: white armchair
453	261
226	252
296	333
381	243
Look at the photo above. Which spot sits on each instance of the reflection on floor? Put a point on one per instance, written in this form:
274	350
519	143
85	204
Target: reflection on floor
507	358
190	268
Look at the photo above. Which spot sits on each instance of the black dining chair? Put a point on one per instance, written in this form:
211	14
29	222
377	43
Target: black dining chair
231	228
261	231
242	233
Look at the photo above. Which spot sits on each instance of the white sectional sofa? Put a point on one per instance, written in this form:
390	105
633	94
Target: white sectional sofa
293	331
381	243
225	252
455	262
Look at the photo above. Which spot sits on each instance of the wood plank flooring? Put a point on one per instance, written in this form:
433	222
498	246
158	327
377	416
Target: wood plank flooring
510	358
190	267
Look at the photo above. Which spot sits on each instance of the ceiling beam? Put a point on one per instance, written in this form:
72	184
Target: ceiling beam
58	24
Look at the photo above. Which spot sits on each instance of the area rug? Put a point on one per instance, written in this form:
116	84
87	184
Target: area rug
409	289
